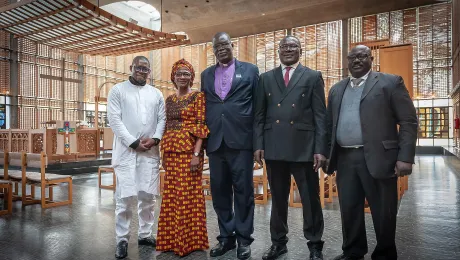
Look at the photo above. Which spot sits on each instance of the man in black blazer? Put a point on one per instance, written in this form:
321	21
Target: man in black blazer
369	152
290	134
229	87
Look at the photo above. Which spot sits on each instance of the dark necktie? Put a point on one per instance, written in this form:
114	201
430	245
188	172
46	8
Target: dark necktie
286	76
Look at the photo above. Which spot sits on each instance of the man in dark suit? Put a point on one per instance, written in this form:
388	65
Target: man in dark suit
290	134
368	151
229	87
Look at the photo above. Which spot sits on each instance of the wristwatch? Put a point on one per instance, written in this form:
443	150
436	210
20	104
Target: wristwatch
196	154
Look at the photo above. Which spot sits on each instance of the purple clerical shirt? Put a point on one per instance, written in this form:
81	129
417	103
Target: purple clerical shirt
224	78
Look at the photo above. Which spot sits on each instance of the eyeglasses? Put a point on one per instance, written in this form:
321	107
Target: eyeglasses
141	69
183	74
220	45
360	57
285	47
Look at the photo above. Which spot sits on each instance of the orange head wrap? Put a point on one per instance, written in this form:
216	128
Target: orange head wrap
182	63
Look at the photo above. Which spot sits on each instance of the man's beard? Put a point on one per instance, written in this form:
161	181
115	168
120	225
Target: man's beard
136	82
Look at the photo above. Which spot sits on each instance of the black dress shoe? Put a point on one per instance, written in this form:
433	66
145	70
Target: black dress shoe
274	251
148	241
344	257
243	251
221	249
316	254
122	250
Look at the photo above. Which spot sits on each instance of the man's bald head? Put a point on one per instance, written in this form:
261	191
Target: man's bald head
363	48
290	50
360	61
223	47
140	69
140	58
219	35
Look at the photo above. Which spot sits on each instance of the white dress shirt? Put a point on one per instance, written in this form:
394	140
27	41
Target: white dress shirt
364	78
293	67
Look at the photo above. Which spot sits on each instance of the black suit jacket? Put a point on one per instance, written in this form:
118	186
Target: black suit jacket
231	119
290	122
385	104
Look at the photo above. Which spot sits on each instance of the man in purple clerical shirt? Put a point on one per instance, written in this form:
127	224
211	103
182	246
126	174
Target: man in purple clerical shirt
229	86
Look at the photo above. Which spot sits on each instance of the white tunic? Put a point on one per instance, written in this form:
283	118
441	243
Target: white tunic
136	112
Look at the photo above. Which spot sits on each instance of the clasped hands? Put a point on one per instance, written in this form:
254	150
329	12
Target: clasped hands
146	144
319	159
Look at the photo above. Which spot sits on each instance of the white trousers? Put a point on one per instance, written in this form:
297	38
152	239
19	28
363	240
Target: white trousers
123	215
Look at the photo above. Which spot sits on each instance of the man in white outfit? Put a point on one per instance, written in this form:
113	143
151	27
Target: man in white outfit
136	114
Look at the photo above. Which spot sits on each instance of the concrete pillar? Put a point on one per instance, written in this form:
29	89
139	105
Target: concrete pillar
14	86
344	48
81	89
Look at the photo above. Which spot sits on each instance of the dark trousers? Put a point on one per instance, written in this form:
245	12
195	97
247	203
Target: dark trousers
354	184
279	178
232	183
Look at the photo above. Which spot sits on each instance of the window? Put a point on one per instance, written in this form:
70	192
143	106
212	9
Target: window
433	122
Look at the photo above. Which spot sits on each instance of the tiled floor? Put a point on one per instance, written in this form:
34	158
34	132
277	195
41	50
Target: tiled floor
428	223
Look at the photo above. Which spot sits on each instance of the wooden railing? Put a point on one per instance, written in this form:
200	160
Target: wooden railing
38	140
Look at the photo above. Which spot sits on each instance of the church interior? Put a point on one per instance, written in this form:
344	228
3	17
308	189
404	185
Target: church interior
60	58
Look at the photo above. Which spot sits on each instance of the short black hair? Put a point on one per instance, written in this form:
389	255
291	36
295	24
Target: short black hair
217	35
366	48
138	58
290	36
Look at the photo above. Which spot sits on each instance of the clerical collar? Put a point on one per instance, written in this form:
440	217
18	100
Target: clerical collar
293	66
363	77
135	82
228	64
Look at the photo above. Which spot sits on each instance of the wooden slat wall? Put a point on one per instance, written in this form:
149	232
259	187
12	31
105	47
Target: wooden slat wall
4	55
322	50
456	43
40	99
456	64
428	29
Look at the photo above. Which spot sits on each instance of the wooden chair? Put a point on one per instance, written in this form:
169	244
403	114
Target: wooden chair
15	176
7	188
42	180
294	196
206	179
106	168
260	179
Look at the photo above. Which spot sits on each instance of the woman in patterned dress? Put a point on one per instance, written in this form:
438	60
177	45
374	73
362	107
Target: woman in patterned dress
182	221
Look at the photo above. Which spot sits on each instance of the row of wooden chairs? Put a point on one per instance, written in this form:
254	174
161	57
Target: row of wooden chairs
327	190
403	185
33	179
327	185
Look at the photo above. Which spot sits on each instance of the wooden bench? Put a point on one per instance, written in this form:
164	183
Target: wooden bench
106	168
39	179
7	189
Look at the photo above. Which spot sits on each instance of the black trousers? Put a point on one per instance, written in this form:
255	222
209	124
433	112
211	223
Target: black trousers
232	190
354	184
279	178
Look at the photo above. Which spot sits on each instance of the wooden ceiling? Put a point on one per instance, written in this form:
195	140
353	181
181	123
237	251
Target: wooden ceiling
81	27
200	19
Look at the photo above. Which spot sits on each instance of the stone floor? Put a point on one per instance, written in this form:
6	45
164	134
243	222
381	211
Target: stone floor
428	223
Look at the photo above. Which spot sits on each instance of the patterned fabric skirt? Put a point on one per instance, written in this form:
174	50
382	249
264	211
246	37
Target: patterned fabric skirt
182	221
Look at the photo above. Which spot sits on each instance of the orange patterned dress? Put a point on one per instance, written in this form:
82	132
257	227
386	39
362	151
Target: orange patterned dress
182	221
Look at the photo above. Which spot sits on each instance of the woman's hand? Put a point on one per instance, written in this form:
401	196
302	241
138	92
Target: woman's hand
194	163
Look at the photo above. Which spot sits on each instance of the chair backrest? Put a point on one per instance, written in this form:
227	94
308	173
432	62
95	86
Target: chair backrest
15	159
35	160
2	157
